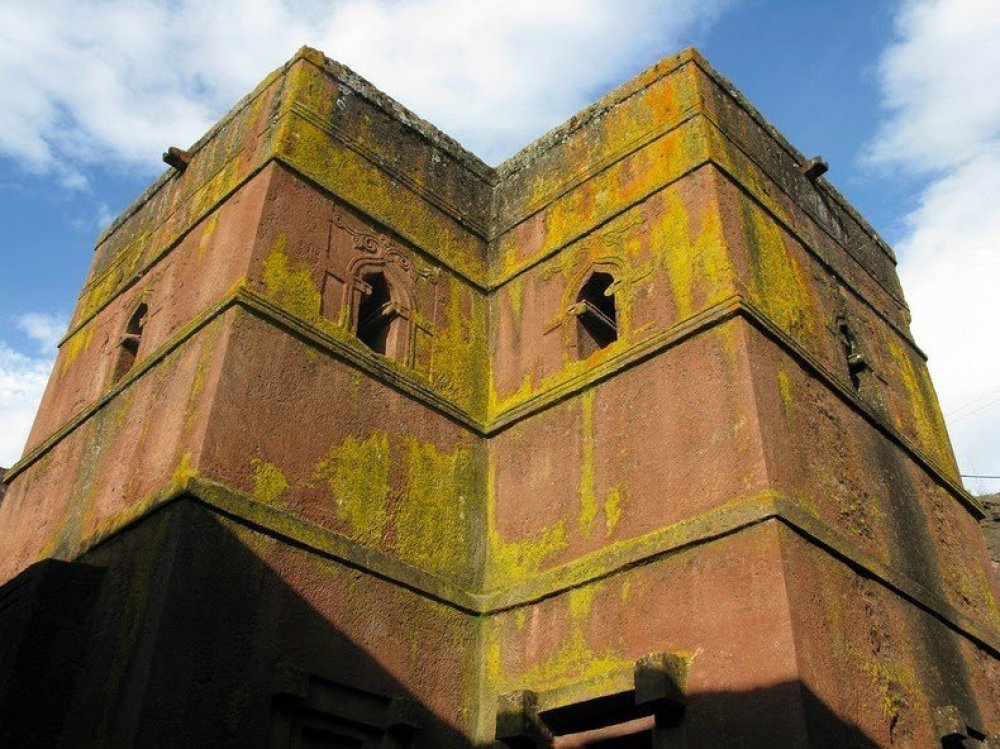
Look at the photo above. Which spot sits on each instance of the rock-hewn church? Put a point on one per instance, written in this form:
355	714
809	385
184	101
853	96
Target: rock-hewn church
356	441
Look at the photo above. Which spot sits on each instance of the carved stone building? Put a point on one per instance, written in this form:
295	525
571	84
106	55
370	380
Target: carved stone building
356	441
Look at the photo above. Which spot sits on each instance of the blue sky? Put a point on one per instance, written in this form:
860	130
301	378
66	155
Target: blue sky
900	96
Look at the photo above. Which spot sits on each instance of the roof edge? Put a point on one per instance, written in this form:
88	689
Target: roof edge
430	132
494	175
744	103
613	98
168	173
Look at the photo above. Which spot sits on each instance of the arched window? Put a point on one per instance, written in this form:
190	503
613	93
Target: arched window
128	347
377	314
596	314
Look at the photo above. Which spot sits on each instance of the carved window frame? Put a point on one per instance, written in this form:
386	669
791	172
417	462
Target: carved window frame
572	307
377	253
402	327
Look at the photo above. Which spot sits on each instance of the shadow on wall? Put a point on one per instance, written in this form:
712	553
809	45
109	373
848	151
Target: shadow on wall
179	632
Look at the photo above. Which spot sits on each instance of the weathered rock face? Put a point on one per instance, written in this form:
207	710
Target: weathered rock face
991	527
372	444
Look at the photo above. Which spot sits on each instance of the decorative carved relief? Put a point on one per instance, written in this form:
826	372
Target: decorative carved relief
573	308
381	246
380	268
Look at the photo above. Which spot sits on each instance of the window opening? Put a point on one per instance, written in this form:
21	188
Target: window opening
597	315
128	347
310	712
643	717
375	314
856	362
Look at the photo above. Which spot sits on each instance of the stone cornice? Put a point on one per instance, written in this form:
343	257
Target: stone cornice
487	426
736	516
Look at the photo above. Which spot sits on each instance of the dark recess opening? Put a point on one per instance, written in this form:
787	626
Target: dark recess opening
610	722
375	314
856	363
597	316
128	349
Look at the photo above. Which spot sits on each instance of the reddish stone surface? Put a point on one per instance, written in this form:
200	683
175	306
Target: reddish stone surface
344	463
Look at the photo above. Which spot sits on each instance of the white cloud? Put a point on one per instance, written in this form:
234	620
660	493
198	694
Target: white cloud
499	74
22	382
85	82
104	216
939	82
23	377
44	329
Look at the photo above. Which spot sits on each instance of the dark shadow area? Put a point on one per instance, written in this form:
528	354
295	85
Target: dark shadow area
194	641
43	620
375	314
597	315
175	633
785	715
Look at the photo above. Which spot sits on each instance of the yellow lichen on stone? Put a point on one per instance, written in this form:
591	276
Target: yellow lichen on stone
785	390
748	174
514	561
205	355
78	343
436	508
574	662
580	602
588	496
613	507
578	210
356	472
294	289
521	618
777	284
269	483
107	285
498	403
927	421
515	294
207	230
459	357
356	180
698	267
183	472
895	682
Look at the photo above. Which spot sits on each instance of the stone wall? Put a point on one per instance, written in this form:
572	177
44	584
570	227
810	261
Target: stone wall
991	527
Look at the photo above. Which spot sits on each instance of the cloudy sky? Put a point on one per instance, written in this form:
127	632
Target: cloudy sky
900	96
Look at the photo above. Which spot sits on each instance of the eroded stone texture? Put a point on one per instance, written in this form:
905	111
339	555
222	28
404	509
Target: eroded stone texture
991	527
371	444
